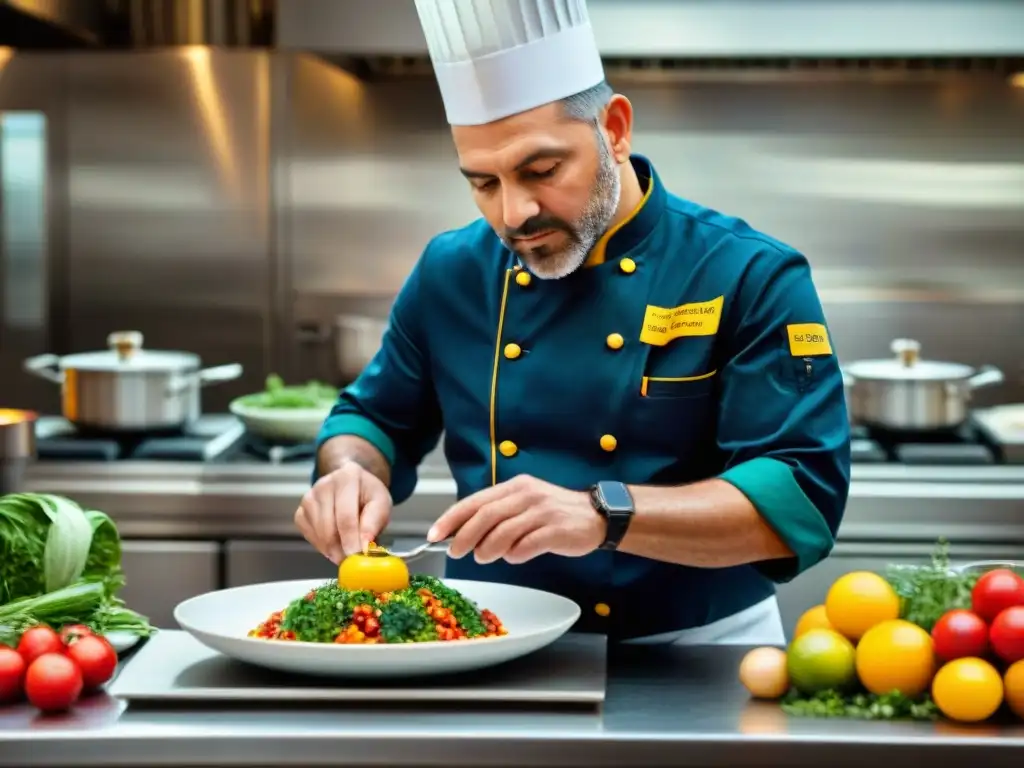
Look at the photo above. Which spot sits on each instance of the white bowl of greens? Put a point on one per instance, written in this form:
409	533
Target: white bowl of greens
283	413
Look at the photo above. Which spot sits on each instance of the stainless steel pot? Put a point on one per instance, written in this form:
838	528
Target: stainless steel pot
357	339
127	388
17	447
908	393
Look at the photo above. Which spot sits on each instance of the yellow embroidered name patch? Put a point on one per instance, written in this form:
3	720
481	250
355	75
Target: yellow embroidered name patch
808	339
662	325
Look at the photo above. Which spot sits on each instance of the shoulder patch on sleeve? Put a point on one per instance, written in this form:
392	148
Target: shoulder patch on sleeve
808	340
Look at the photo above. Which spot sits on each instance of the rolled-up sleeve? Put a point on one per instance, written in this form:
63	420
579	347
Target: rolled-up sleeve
393	404
783	423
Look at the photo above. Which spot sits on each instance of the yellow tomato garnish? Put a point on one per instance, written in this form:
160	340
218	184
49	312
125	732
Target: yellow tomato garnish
374	570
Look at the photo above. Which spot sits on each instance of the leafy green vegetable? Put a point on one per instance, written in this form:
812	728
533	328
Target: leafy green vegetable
60	564
313	394
862	706
23	535
67	544
928	591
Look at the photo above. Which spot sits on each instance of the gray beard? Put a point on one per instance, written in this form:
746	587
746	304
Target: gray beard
588	229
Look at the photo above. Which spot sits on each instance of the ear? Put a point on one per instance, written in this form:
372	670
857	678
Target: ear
618	125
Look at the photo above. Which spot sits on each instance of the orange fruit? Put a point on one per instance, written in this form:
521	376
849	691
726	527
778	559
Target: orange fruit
1013	683
968	690
858	601
896	656
812	618
820	659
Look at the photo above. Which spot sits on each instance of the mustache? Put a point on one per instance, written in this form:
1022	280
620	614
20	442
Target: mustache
537	225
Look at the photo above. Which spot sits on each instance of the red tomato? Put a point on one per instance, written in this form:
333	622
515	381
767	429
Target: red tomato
996	591
960	634
95	657
12	674
1007	634
71	632
53	682
36	641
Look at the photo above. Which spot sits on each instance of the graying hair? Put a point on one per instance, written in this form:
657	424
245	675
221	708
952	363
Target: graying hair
586	106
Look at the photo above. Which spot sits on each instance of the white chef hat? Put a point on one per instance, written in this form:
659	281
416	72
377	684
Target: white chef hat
495	58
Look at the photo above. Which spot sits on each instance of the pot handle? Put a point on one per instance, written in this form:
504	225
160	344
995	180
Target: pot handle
986	376
44	366
220	374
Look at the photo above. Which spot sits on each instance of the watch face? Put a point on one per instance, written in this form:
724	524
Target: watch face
616	496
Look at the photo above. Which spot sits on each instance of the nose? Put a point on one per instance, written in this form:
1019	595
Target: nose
518	206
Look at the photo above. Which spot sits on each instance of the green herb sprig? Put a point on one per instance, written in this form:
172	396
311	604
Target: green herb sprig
929	591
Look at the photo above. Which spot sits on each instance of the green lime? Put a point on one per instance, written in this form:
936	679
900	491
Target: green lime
820	659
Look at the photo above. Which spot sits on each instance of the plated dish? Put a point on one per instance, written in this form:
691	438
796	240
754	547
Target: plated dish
423	612
375	600
524	620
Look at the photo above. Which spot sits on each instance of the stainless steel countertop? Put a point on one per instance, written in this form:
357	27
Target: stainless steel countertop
251	499
665	706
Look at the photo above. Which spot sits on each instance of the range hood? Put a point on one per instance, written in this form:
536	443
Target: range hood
698	29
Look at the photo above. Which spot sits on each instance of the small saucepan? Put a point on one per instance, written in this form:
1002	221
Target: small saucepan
127	388
906	393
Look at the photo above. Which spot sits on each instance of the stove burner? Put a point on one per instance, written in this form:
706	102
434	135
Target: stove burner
962	446
209	438
279	453
939	453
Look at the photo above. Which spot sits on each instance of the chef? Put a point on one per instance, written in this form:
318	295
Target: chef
640	398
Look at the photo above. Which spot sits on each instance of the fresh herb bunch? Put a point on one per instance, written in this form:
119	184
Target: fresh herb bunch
862	706
928	591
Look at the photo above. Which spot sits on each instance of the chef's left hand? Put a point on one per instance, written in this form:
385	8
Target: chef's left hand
520	519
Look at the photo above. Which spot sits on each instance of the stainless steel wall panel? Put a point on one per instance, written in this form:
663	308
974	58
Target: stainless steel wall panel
908	198
34	84
169	213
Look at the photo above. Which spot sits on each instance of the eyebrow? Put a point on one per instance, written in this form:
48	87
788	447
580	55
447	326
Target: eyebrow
549	153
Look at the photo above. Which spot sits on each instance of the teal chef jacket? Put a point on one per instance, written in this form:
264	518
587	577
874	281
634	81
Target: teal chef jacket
691	346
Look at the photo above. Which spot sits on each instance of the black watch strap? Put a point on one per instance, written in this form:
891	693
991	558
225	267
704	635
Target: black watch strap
613	501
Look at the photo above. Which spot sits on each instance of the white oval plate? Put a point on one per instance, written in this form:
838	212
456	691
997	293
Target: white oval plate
221	620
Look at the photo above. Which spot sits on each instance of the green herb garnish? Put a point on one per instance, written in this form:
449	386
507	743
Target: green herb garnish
862	706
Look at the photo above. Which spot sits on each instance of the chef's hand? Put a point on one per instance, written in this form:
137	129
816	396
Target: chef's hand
344	511
520	519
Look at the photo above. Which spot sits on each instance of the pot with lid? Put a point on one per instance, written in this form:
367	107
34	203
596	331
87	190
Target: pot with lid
128	388
908	393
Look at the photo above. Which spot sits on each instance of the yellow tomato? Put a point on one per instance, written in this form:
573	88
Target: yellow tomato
896	656
374	570
968	690
1013	683
812	618
858	601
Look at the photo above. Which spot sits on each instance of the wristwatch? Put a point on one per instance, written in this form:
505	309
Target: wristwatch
614	503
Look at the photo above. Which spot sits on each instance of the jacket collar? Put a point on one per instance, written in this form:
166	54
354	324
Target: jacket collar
632	230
